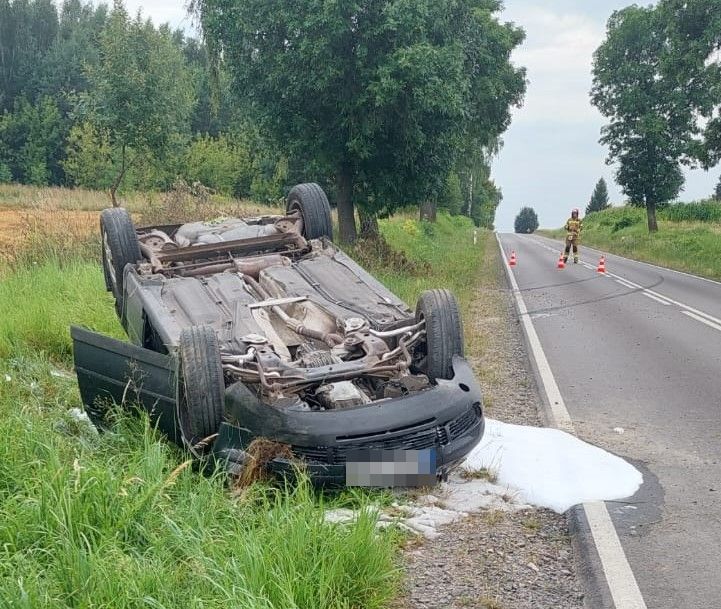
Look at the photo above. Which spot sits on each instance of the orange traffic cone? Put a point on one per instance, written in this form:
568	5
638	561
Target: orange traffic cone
512	261
561	263
602	265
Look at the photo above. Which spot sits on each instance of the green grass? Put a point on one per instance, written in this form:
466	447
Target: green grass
122	519
688	239
40	300
444	252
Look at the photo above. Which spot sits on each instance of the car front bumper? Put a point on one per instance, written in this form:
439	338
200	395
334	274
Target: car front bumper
447	418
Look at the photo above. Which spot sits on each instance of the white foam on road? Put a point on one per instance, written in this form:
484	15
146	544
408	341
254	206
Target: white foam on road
529	466
551	468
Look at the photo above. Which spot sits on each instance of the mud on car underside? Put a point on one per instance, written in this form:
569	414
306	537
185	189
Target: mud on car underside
263	328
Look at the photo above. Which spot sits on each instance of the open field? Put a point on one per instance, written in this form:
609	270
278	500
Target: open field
122	519
688	238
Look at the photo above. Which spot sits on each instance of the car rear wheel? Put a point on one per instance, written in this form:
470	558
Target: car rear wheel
312	204
444	333
200	403
120	248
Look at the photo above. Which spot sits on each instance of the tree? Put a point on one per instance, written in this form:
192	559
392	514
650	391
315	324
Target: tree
27	29
717	191
141	92
599	198
650	128
379	95
30	141
690	64
526	221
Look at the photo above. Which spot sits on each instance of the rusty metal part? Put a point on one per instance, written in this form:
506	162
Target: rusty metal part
252	266
242	247
398	331
329	339
155	264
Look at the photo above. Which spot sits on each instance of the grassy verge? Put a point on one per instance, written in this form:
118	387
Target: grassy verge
121	519
432	255
688	239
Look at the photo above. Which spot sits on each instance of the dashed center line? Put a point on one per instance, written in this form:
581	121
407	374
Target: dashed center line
710	324
696	314
657	299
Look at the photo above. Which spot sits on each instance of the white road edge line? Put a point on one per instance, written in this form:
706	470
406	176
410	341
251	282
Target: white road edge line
619	576
702	320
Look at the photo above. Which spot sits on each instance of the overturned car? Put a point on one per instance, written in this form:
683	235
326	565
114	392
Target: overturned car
263	328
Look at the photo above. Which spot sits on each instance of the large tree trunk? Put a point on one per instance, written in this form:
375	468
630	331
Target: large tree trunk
368	225
428	211
651	215
346	215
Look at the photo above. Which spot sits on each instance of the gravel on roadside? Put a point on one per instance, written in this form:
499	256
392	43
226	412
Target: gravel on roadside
496	560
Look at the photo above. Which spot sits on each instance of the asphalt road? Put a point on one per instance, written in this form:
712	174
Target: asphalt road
637	357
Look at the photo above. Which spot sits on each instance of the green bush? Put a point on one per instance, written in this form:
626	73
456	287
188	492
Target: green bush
6	176
221	164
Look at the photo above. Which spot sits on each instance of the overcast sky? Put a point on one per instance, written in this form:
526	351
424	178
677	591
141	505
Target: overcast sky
551	158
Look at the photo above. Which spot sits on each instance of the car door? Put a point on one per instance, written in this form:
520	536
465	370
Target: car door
112	371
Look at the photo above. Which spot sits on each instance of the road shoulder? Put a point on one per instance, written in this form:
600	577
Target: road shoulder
519	560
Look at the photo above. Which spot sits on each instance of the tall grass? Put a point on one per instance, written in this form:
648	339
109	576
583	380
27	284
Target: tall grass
122	520
443	253
18	196
40	301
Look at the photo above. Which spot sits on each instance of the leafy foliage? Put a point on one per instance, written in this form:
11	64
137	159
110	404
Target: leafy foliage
627	88
30	139
656	81
526	221
599	198
383	96
141	92
717	191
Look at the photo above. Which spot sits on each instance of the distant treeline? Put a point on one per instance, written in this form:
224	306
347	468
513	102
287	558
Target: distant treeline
54	122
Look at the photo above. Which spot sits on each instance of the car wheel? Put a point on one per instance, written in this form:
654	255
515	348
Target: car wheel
444	333
312	203
200	402
119	248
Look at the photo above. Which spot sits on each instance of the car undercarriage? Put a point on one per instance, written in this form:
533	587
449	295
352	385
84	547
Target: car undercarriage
270	330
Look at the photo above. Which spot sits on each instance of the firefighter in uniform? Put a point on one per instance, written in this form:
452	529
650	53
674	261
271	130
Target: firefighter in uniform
573	236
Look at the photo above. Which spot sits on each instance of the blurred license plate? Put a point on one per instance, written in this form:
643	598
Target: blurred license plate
387	468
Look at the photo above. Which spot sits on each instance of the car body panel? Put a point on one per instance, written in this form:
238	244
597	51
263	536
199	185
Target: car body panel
114	371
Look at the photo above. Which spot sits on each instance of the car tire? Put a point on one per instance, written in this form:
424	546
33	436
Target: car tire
119	248
312	203
201	390
444	333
